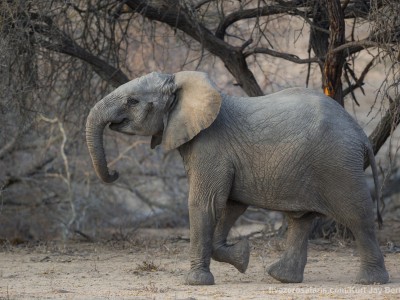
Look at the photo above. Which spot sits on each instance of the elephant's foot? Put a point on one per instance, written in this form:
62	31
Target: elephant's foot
237	255
199	277
285	272
376	275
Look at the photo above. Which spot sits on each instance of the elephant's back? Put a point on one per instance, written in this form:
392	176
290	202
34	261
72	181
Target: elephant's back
292	112
288	127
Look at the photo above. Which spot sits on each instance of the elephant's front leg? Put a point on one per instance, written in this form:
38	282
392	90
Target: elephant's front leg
205	207
201	236
236	254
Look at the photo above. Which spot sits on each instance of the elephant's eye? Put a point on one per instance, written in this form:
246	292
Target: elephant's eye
132	101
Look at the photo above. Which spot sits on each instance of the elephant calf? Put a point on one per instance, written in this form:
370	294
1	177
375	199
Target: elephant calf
294	151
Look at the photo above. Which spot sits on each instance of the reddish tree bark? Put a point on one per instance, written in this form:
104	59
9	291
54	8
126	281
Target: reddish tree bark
333	66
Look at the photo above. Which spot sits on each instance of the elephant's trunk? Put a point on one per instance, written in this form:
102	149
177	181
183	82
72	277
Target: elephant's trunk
100	115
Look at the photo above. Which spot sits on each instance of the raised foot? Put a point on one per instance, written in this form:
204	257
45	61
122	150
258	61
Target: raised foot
237	255
284	274
199	277
373	276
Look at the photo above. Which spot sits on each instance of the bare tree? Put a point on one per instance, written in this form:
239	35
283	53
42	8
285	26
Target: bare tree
233	31
59	57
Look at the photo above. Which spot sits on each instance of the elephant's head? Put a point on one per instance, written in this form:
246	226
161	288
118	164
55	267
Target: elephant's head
172	109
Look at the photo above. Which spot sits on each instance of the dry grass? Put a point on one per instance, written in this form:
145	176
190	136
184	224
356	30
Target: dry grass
148	266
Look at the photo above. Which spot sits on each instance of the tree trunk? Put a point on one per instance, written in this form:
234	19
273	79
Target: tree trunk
327	33
332	72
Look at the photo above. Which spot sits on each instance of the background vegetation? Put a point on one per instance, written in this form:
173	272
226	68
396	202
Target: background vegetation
57	58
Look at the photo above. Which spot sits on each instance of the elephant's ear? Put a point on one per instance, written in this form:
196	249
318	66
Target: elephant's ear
195	107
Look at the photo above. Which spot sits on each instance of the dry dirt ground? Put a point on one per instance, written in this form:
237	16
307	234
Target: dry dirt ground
153	263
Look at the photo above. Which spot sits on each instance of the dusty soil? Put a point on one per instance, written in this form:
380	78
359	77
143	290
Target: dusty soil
153	263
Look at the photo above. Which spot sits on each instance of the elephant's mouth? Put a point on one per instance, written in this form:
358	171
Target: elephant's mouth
118	126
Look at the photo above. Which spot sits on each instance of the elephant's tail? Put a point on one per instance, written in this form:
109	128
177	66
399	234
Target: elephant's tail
372	162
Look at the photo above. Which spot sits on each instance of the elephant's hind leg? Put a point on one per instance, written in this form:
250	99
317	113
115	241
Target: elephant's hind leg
352	206
235	254
372	270
290	267
360	220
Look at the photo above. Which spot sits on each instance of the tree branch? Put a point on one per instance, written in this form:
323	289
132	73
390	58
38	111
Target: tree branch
54	39
180	17
360	81
356	46
357	9
386	126
286	56
253	13
350	48
201	3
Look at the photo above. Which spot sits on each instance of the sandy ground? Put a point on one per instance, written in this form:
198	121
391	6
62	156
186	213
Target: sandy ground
153	263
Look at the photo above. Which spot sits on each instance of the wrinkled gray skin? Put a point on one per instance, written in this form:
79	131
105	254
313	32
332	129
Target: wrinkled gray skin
294	151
